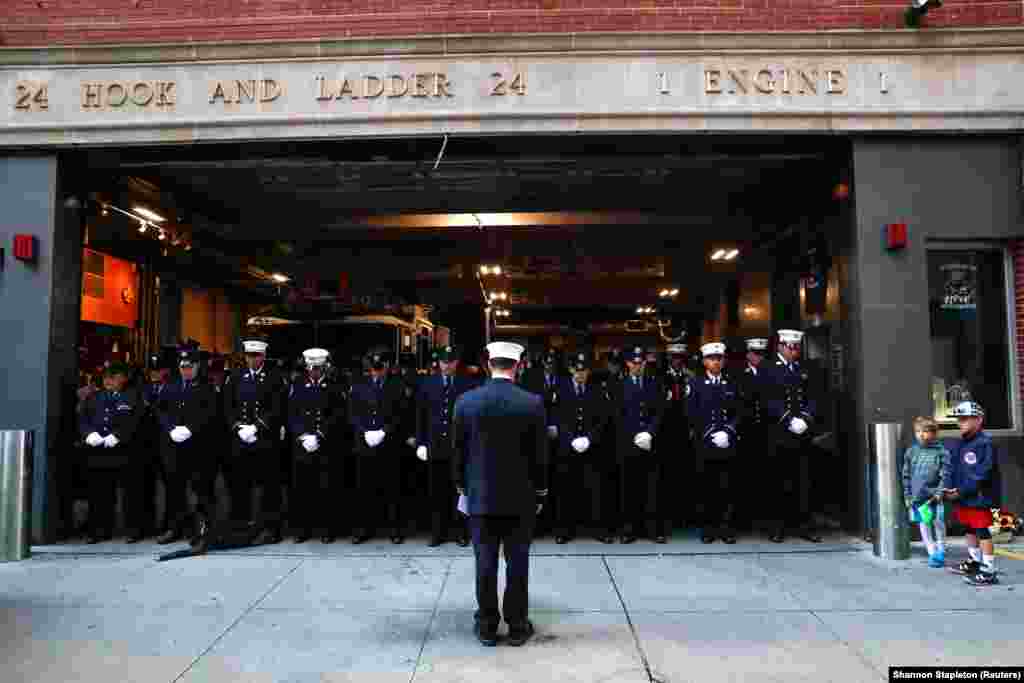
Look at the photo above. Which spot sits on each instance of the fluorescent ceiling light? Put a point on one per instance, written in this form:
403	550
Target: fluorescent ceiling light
718	255
277	277
732	254
148	215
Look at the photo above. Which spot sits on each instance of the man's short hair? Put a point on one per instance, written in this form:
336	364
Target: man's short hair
926	424
503	364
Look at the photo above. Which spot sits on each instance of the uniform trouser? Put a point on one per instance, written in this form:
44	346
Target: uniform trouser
607	470
103	484
379	490
791	463
318	490
184	465
544	522
570	501
639	481
753	473
717	469
489	535
443	500
256	464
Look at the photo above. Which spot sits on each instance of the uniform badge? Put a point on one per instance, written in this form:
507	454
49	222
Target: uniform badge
687	390
971	458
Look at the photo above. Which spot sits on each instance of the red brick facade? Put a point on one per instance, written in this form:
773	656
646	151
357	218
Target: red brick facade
51	22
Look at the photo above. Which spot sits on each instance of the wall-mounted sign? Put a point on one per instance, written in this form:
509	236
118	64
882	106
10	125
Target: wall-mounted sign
960	289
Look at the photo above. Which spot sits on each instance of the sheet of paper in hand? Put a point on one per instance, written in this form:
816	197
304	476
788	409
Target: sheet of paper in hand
463	505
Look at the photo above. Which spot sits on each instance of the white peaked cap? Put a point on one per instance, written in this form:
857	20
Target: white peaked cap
676	348
790	336
315	356
713	349
253	346
508	350
757	344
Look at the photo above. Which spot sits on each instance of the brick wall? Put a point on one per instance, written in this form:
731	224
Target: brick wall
48	22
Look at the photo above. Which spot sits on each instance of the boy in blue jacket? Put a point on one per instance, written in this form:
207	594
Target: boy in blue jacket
972	480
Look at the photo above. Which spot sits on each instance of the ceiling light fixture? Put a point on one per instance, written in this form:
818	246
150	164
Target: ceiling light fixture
148	215
732	254
142	226
718	255
277	277
162	236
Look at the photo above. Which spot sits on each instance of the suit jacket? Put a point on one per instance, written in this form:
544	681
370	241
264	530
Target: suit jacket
575	417
434	414
786	393
500	449
193	408
752	395
535	381
638	409
108	413
256	399
370	409
317	408
713	408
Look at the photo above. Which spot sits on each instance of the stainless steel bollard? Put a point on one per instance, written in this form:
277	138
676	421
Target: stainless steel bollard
15	494
891	538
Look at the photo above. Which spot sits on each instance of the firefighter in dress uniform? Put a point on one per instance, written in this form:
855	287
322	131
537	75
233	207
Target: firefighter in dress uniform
790	412
543	380
109	424
254	410
714	407
754	433
435	405
608	381
317	424
639	408
375	406
186	409
159	377
675	446
582	414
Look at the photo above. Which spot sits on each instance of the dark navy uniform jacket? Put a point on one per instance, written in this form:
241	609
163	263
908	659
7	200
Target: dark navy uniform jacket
786	394
751	383
973	468
318	408
638	408
576	417
191	406
501	449
435	410
107	412
373	407
546	386
255	398
714	407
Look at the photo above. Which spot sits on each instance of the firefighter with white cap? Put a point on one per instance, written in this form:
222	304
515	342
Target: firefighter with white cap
789	413
714	409
317	423
254	409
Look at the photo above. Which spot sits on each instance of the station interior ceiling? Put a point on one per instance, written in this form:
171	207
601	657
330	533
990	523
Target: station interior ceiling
586	229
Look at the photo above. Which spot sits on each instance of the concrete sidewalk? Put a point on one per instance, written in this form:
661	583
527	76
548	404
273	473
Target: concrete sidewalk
378	612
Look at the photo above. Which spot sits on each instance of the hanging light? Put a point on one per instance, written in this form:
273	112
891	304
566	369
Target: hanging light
732	254
278	277
148	215
105	211
142	226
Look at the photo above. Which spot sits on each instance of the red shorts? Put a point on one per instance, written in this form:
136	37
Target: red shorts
974	518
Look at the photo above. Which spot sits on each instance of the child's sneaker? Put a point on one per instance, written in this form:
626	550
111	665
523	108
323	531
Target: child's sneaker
967	568
982	579
937	560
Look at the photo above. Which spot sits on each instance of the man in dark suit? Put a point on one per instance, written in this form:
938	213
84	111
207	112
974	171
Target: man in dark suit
435	405
581	415
500	465
375	410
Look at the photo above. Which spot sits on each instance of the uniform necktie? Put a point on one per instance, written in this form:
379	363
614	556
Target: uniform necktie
579	391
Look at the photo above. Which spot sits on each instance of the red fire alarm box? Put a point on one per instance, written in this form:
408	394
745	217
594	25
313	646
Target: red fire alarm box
895	236
25	248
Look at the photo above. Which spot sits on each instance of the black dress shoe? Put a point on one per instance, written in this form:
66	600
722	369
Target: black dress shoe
520	634
627	538
268	537
360	538
134	537
327	539
95	538
169	536
303	536
397	539
486	635
810	535
463	541
778	536
610	538
660	539
707	538
561	540
434	542
729	539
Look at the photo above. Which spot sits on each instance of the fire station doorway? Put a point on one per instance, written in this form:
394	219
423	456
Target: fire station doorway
568	242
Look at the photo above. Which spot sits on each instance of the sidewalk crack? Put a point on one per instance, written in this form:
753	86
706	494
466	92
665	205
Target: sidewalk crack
433	616
629	620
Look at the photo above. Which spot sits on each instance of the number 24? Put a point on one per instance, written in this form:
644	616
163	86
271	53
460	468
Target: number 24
32	95
501	86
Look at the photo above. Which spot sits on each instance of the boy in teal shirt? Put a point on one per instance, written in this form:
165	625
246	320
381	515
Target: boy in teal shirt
924	468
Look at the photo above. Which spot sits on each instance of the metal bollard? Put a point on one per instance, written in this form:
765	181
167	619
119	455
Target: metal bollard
15	494
892	536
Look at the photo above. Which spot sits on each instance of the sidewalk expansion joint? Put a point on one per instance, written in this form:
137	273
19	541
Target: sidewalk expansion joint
430	623
632	628
856	652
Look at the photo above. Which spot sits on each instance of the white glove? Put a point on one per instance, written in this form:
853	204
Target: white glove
310	443
247	433
421	453
411	441
111	441
374	438
720	439
797	425
643	441
552	432
581	444
180	434
539	506
94	439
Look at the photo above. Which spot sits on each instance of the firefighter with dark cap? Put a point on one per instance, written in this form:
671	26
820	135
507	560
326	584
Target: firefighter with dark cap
186	410
435	405
675	450
544	380
317	425
254	409
790	411
754	434
582	413
375	406
604	458
639	409
109	424
158	369
713	403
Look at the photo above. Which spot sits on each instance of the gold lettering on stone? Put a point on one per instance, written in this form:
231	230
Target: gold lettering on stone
118	99
785	81
419	88
117	94
663	83
346	89
764	82
740	79
376	91
142	94
217	93
32	96
91	95
441	86
836	82
808	79
883	85
323	90
394	82
165	93
270	90
712	81
245	89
